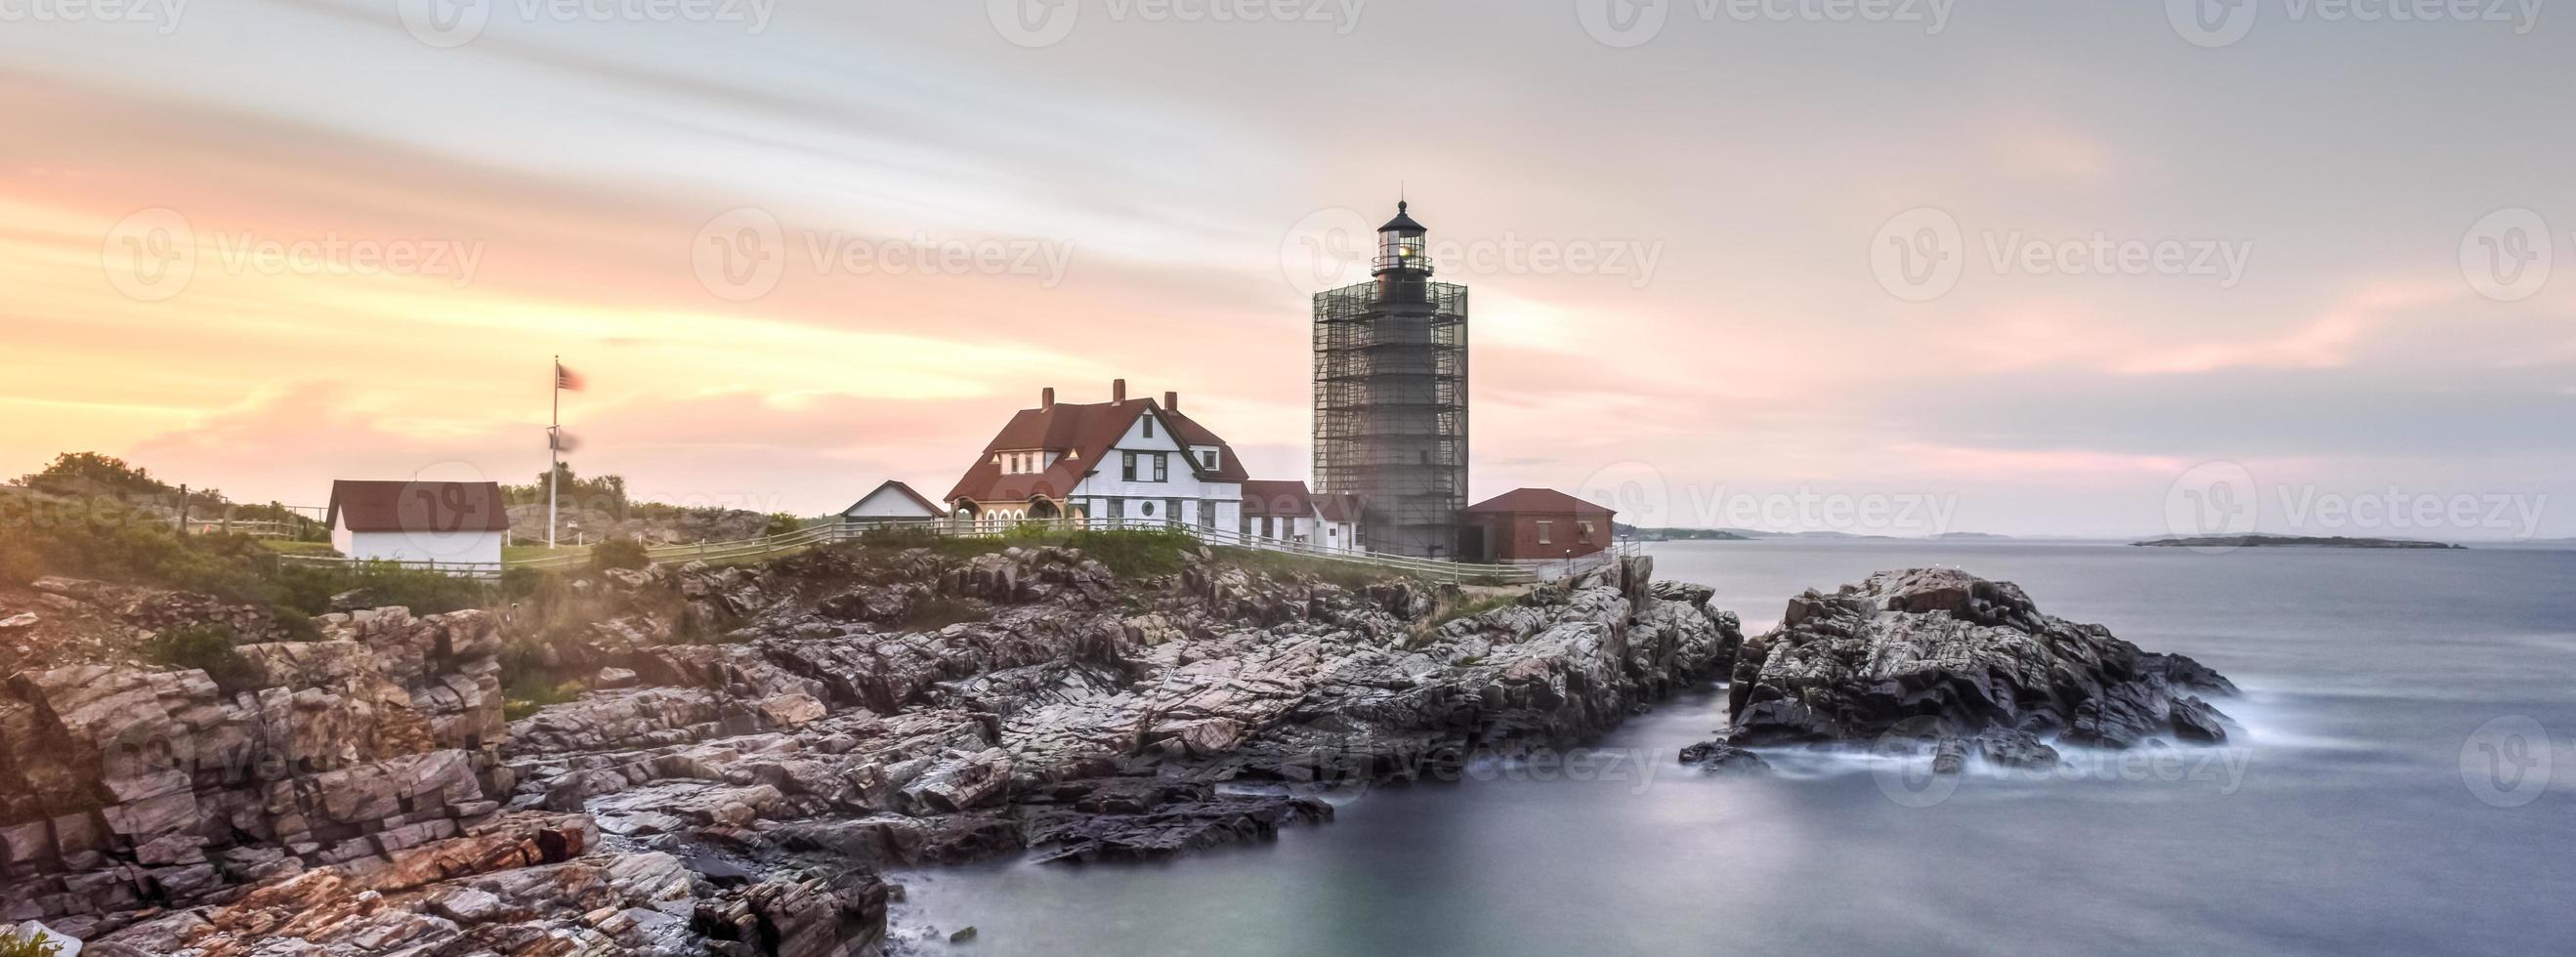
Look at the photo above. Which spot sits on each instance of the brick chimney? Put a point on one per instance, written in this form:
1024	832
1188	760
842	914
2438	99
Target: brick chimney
1117	390
1046	398
1171	401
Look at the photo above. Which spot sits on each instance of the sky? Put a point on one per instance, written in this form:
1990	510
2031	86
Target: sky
1884	268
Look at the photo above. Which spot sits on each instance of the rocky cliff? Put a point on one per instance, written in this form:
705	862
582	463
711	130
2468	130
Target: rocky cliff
757	741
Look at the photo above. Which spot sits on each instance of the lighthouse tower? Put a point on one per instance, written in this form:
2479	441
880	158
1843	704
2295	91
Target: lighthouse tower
1391	397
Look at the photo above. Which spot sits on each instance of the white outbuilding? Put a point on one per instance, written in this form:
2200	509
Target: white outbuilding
893	503
449	523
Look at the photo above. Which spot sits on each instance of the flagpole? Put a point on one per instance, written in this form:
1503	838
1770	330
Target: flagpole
554	447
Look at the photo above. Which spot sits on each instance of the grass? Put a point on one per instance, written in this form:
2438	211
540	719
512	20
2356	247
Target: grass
1129	552
284	547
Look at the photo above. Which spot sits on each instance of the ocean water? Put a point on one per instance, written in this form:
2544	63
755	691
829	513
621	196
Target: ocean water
2403	785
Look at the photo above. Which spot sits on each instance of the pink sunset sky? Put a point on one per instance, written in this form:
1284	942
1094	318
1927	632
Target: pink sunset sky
2294	221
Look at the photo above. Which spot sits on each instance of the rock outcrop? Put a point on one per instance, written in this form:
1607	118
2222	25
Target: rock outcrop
1939	653
123	788
734	790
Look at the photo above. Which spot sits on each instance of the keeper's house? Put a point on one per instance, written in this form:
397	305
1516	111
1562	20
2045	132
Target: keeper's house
1124	462
1536	525
419	522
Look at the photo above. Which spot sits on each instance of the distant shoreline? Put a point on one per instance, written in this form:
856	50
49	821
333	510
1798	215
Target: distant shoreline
2292	541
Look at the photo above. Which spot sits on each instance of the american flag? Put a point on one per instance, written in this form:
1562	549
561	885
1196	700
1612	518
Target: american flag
566	378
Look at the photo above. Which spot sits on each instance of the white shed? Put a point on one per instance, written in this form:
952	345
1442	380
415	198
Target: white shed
420	522
893	503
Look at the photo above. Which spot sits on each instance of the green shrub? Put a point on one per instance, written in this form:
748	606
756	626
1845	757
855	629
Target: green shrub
41	945
308	588
206	647
619	553
98	538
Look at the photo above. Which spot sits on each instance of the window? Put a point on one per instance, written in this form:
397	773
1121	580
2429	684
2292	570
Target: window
1149	508
1210	456
1207	514
1172	514
1117	508
1149	426
1127	465
1268	529
1543	533
1162	467
1583	532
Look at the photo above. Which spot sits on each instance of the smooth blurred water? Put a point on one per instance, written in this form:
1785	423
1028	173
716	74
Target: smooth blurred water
2361	813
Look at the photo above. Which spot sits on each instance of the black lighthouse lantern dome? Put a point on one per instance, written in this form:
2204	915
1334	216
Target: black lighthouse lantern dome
1400	244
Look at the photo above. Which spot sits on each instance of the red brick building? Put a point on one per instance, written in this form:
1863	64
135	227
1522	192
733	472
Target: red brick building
1533	524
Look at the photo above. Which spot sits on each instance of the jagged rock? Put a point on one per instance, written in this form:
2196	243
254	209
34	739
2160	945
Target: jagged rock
1966	655
1717	757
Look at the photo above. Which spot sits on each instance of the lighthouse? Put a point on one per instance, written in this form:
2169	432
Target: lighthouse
1390	397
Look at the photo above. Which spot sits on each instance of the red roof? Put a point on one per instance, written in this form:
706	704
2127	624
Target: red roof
1086	432
1277	497
1523	501
418	507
